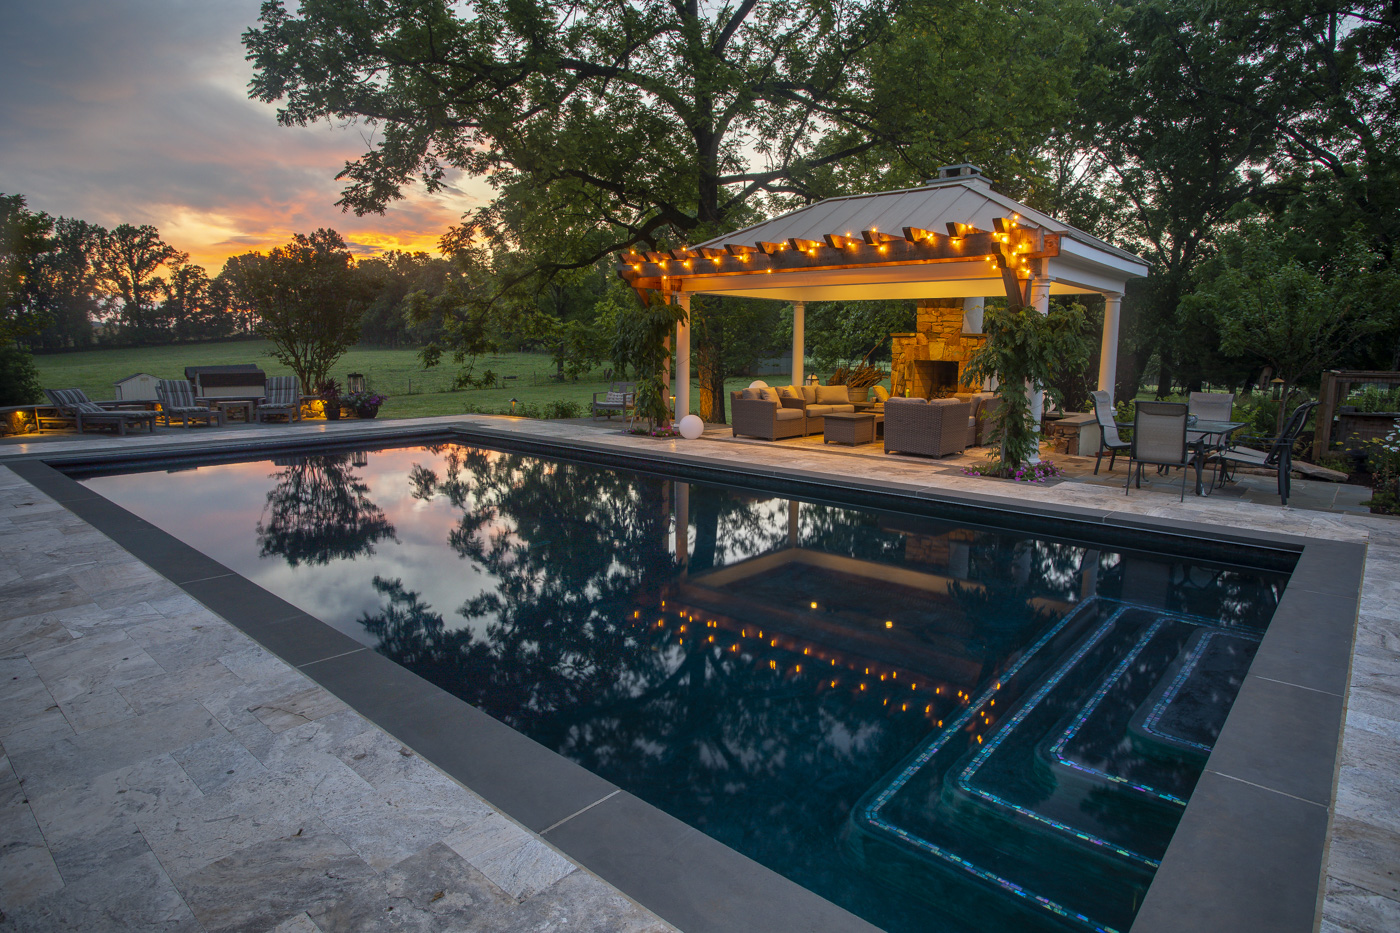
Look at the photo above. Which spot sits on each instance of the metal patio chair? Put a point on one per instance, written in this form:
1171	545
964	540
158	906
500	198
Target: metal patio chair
1211	406
1108	431
1159	438
1276	453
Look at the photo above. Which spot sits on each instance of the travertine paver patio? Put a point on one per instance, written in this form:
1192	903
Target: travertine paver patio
160	770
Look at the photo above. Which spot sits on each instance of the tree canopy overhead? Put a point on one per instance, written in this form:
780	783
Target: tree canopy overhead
605	124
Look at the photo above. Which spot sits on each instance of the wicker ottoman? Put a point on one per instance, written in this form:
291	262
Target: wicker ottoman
851	428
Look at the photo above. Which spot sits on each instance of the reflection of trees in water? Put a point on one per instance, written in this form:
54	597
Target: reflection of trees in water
570	548
568	650
320	511
851	534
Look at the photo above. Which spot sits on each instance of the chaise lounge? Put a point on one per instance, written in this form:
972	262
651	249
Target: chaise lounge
84	411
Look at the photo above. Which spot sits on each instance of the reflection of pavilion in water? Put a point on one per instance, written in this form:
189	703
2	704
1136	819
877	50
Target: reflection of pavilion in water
893	625
1062	798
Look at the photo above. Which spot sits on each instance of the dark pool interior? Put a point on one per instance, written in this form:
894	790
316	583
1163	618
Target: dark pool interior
938	727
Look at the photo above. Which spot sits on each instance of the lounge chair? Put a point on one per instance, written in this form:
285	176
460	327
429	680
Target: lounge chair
763	414
619	399
1276	455
177	403
85	411
934	428
283	399
1108	431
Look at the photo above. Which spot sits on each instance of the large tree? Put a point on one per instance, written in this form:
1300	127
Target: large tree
608	124
1297	319
308	296
24	240
130	259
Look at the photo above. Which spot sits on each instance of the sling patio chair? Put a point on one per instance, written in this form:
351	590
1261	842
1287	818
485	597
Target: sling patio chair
1211	406
177	404
1159	438
1268	453
283	399
85	411
1108	431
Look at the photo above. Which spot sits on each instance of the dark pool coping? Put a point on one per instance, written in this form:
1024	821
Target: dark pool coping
1249	853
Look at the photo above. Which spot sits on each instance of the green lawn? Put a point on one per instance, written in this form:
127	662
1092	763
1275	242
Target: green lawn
412	390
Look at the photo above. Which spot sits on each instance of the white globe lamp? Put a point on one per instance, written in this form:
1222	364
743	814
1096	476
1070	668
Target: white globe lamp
692	427
758	384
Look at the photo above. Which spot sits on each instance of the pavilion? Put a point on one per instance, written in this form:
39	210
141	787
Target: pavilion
948	244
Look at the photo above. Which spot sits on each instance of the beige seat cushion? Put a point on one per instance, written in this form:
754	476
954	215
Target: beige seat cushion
809	393
789	414
821	411
832	395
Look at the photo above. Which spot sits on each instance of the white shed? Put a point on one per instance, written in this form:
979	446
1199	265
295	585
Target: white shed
138	387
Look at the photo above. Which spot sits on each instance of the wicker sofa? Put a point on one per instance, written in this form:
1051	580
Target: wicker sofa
934	428
761	413
816	403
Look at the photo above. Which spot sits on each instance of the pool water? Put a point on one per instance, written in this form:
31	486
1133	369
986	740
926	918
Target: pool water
938	727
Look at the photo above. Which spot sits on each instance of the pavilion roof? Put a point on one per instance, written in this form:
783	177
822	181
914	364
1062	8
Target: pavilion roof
966	199
952	237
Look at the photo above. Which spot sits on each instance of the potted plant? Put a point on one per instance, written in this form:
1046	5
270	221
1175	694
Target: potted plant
365	402
328	390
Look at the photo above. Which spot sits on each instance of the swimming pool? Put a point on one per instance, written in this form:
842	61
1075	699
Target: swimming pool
757	676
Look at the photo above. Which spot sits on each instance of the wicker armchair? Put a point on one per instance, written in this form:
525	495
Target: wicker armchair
984	406
765	418
933	429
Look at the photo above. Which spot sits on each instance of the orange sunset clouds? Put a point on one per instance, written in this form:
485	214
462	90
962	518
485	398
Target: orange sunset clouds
136	111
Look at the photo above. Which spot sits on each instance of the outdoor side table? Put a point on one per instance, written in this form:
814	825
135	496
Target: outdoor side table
851	428
226	407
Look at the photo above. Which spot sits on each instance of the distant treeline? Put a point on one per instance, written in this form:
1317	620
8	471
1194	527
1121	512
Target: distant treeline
83	286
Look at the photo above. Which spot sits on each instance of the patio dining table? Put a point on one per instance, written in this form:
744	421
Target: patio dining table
1205	437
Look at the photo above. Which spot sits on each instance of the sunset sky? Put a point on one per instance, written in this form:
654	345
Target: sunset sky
136	111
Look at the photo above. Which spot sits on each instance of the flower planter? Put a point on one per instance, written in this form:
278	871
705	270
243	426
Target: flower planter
332	412
367	411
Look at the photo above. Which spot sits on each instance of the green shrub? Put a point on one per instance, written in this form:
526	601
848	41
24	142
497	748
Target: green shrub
563	408
19	378
1373	397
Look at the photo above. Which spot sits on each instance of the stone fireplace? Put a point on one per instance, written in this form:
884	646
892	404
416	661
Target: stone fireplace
930	361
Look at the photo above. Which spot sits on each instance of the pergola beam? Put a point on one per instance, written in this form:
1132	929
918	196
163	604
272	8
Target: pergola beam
1012	249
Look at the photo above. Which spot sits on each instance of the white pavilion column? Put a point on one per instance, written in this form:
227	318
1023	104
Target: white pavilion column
682	386
799	347
1040	300
1108	350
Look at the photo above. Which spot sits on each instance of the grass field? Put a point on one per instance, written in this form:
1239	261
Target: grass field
412	390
